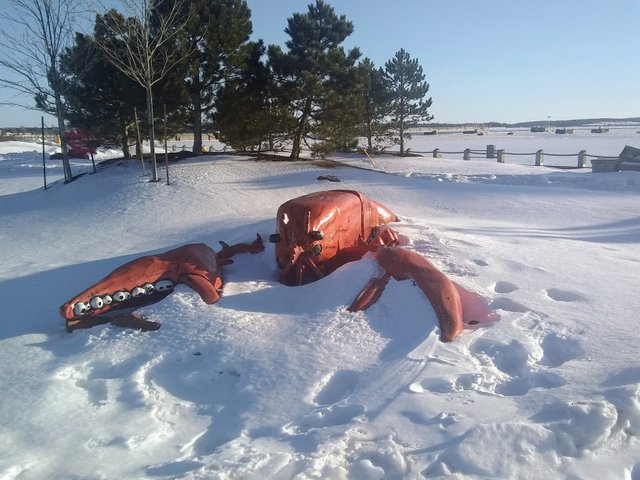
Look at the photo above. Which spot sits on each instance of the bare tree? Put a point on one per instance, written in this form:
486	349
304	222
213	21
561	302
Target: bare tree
148	55
36	35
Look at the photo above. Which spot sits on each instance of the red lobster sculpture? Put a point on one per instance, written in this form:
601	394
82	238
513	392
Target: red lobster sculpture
316	234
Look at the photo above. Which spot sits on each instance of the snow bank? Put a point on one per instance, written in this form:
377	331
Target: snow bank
283	382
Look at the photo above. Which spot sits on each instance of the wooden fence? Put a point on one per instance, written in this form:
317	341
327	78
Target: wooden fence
205	149
501	155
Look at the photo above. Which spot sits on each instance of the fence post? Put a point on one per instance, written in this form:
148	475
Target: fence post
491	151
436	153
582	158
539	158
44	167
467	154
500	154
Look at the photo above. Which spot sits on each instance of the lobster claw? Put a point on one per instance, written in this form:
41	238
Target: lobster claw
448	299
149	279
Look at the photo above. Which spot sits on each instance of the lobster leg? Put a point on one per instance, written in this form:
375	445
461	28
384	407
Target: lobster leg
229	251
370	293
403	264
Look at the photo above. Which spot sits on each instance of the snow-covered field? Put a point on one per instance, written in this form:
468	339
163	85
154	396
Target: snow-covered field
277	382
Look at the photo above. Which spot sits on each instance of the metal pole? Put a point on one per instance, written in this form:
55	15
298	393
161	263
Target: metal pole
89	144
44	167
166	152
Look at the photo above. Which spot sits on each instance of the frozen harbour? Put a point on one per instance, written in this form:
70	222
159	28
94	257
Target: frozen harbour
277	382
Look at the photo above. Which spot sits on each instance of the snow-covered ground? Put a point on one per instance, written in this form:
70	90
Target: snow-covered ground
277	382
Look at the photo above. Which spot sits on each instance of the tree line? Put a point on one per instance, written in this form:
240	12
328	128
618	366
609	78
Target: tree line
196	59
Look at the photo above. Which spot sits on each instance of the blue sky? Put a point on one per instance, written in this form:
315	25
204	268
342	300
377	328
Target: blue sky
497	60
487	60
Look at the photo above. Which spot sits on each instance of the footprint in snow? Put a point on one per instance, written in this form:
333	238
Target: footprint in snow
505	287
559	349
330	394
626	376
331	416
520	366
565	295
581	425
83	377
335	387
508	305
512	358
520	386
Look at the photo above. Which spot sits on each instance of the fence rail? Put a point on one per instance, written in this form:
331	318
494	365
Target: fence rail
500	155
205	149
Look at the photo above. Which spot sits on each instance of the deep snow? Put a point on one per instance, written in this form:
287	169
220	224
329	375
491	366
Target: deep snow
282	382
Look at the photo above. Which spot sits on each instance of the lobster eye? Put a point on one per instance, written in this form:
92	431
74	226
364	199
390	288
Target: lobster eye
81	308
136	292
120	296
97	302
316	235
274	238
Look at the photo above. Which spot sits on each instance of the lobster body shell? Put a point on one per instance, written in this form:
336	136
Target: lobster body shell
314	229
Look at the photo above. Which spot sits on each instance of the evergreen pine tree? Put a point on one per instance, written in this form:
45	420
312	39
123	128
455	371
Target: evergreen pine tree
408	89
248	114
316	74
214	47
376	100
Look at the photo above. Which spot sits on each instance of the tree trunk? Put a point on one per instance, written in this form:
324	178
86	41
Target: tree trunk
124	139
152	139
302	123
295	148
368	125
66	166
197	117
402	129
